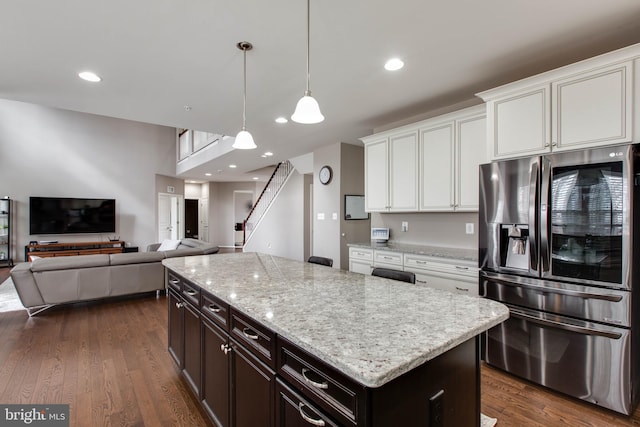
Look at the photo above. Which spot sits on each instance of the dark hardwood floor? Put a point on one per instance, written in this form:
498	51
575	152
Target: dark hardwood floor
109	361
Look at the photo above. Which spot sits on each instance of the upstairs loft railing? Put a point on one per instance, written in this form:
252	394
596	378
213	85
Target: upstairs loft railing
268	195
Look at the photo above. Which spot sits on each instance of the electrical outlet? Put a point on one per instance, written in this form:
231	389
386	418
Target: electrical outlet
469	228
405	226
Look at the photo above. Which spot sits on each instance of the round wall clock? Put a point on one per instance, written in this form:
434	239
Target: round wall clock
325	175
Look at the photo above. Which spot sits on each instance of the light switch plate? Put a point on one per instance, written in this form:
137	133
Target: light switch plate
469	228
334	216
405	226
321	216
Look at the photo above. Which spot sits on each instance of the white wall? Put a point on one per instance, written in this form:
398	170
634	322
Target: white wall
431	229
326	201
221	215
282	231
60	153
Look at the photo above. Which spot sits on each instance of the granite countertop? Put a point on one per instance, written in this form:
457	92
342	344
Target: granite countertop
370	328
434	251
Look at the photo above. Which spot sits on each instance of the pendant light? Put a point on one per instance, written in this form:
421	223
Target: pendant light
244	140
307	110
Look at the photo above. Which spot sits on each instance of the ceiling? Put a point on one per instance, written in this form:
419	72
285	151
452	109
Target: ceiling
158	56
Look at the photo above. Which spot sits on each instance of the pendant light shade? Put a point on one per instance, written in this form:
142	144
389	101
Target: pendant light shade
307	109
244	140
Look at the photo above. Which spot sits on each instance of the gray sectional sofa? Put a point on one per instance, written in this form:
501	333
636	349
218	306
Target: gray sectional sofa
47	282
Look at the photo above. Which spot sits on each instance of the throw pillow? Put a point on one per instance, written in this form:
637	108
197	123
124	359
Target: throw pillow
33	258
168	245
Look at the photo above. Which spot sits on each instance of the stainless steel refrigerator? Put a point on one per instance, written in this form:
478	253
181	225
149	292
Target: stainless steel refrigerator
557	242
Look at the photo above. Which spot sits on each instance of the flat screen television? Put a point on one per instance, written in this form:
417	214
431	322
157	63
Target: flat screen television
63	215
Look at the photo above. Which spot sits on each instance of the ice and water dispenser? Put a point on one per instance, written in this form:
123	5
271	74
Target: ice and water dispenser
514	246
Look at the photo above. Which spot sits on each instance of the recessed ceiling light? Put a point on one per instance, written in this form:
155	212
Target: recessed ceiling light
90	76
264	156
393	64
281	120
232	166
207	174
255	177
268	153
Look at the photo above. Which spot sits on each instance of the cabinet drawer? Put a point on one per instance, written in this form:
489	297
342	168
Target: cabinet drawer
174	281
330	390
388	258
191	293
215	309
292	410
260	340
360	253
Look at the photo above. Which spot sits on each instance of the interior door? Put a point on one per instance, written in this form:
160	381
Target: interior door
170	217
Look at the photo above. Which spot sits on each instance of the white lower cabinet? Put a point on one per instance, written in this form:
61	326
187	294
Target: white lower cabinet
361	260
449	275
453	275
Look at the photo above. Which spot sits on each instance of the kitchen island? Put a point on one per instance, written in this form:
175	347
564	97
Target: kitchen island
265	341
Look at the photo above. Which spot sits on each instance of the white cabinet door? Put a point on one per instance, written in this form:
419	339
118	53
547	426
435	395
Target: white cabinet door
360	266
437	168
593	108
519	124
471	149
376	171
403	172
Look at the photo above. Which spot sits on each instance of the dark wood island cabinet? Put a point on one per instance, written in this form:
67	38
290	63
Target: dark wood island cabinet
248	345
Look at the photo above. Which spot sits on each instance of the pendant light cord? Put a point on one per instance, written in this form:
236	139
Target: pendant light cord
308	92
244	103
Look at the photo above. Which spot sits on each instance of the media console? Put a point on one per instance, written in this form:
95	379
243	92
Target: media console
73	248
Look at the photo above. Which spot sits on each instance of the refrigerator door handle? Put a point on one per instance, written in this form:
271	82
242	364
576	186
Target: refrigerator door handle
545	212
549	290
533	200
573	328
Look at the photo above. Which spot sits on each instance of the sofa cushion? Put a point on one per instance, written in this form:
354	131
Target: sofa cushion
168	245
136	258
69	262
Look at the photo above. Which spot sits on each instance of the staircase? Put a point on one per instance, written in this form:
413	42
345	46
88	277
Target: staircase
268	195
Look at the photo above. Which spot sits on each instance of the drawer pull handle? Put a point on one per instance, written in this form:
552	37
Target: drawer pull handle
421	262
421	281
461	268
191	293
387	257
248	333
214	308
174	281
462	289
308	418
322	385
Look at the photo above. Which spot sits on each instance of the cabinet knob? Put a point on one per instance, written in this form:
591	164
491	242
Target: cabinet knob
546	144
226	348
554	143
179	305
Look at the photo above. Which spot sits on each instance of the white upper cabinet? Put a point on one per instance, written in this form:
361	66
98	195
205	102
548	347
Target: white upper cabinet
587	104
431	165
471	149
391	168
450	153
519	123
376	175
437	150
403	172
593	108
